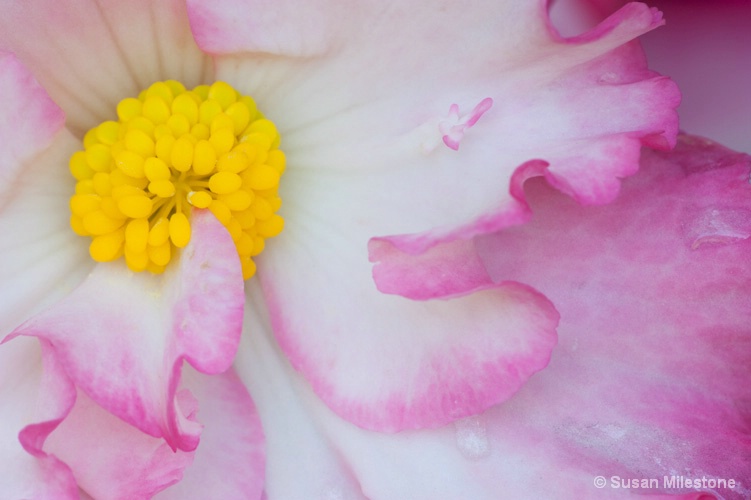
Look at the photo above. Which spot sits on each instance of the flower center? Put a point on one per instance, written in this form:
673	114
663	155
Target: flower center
173	149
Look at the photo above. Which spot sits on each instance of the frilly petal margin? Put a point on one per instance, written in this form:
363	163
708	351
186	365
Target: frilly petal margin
387	363
653	294
650	378
47	395
584	106
230	462
122	337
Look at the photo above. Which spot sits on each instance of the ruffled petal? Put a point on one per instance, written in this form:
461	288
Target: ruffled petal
28	390
112	460
230	461
655	345
122	337
650	379
716	78
387	363
89	54
494	78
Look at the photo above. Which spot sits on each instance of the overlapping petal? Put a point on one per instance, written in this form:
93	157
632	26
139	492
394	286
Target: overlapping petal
114	350
42	257
378	156
28	392
649	380
380	137
122	337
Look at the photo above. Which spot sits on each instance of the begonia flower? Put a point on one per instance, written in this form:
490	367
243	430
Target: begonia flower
409	130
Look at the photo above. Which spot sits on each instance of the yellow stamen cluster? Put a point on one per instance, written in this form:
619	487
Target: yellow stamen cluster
170	150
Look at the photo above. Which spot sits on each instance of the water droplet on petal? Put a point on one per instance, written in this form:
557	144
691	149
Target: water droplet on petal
472	437
717	226
609	77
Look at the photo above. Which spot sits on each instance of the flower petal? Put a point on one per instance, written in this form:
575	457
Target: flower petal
649	380
655	345
122	337
497	75
42	258
30	120
387	363
28	471
111	459
278	27
716	36
90	54
230	462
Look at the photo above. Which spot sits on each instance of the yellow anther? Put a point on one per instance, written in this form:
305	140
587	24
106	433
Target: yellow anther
135	207
225	182
179	230
76	223
182	154
248	267
204	157
82	204
222	140
139	142
237	201
109	208
98	157
141	123
261	208
137	235
136	261
223	93
160	255
159	232
130	163
156	169
164	147
102	184
270	227
179	125
156	110
234	161
258	245
79	167
162	188
185	105
108	133
200	199
161	130
85	186
277	160
128	109
262	177
207	111
240	115
107	247
173	150
221	121
120	190
221	211
160	90
98	223
176	87
200	131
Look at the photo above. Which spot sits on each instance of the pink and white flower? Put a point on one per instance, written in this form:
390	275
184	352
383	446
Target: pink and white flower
410	131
